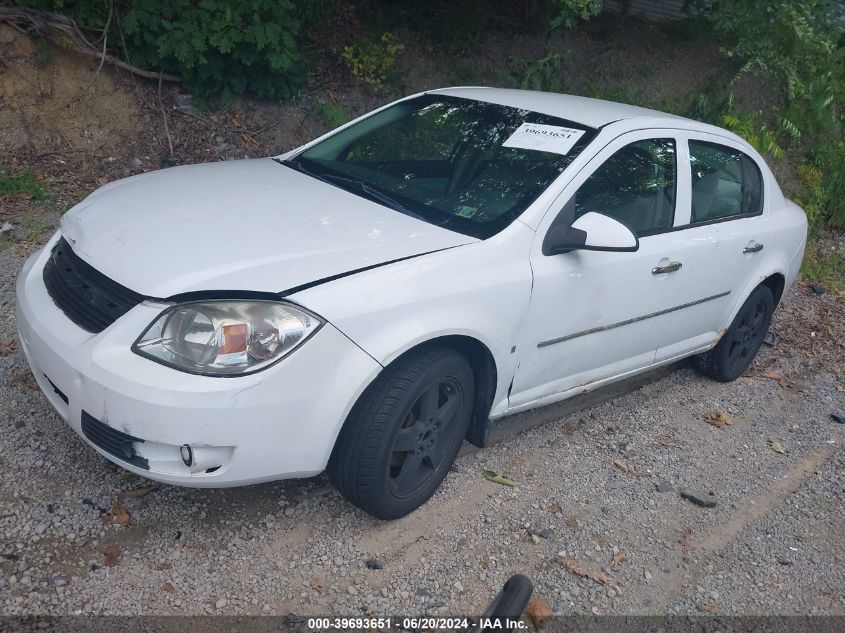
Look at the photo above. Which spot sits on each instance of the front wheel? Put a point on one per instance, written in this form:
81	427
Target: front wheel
740	343
404	433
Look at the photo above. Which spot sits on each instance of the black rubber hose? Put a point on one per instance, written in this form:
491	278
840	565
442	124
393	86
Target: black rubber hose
508	604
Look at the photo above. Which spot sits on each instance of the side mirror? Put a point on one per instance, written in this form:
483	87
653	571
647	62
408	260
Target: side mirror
591	232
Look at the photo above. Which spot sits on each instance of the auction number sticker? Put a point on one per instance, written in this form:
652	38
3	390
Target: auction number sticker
544	138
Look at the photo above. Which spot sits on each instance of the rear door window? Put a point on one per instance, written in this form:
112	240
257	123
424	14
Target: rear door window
725	183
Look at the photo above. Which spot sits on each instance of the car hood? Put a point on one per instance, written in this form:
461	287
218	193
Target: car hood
251	225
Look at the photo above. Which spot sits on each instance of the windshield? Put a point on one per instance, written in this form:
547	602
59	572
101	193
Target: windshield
465	165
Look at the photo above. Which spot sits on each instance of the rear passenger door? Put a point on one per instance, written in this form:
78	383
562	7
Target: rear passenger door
726	203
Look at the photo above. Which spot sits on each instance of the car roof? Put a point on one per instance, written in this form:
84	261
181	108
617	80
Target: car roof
584	110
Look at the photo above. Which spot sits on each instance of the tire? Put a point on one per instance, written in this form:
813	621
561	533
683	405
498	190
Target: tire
404	433
739	344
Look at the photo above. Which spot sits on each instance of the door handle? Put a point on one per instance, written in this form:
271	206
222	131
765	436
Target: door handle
754	247
668	268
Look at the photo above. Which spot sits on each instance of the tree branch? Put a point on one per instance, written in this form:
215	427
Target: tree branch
56	27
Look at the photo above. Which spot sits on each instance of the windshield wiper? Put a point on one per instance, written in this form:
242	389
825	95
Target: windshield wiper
368	191
302	169
375	194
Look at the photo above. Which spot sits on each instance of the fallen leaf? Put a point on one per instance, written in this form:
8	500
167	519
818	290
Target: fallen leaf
24	379
119	514
626	468
776	376
574	567
169	588
111	555
670	442
718	418
618	559
142	491
776	446
317	584
686	540
8	346
539	611
489	475
554	508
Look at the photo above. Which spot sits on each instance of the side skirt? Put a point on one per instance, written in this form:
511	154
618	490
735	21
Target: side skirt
574	391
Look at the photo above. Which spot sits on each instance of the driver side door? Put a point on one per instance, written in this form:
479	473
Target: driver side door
599	315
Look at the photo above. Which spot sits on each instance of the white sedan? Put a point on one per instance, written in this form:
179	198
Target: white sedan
366	302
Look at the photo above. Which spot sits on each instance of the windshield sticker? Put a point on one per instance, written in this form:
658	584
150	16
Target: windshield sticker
466	212
544	138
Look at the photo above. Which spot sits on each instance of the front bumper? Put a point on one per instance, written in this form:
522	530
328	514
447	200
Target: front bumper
275	424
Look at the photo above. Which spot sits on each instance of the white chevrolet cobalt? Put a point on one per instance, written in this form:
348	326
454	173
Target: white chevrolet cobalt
366	302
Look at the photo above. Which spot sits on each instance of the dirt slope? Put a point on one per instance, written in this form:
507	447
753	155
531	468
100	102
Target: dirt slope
51	101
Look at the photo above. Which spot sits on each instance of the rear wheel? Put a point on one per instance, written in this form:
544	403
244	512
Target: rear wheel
740	343
404	433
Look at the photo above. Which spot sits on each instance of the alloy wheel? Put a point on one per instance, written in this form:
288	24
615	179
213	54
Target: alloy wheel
749	332
426	437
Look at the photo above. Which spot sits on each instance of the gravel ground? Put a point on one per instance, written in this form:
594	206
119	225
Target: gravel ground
598	493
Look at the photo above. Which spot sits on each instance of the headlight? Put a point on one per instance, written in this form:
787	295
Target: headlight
227	337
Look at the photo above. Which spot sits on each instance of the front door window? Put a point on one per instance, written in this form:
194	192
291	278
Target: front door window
636	186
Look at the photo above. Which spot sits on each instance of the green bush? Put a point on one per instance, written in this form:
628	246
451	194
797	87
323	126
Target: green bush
219	48
25	184
445	24
759	135
543	73
824	268
800	44
331	114
829	159
789	39
370	59
567	12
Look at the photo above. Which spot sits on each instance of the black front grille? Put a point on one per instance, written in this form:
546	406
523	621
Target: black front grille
112	441
86	296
